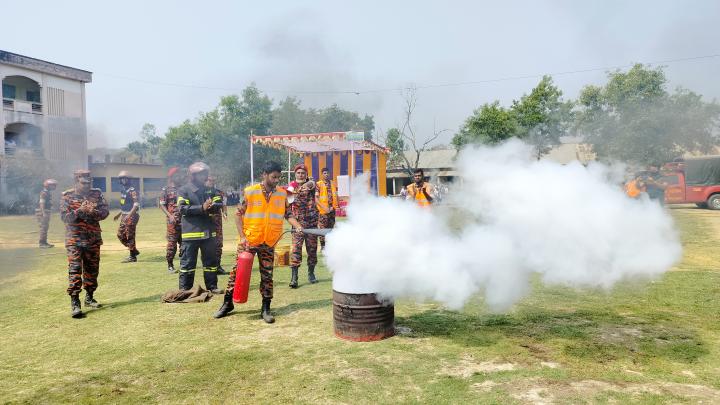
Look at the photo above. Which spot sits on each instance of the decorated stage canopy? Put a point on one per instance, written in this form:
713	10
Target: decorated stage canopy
343	153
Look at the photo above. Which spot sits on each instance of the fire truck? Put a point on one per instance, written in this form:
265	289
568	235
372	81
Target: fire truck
693	181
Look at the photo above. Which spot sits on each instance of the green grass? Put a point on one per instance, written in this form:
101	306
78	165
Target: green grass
653	342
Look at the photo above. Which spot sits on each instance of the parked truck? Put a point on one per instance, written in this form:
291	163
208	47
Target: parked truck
693	181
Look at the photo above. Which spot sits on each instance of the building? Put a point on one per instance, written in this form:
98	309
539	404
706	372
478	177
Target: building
43	110
148	179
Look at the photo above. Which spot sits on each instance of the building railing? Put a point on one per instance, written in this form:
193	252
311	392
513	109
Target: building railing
22	106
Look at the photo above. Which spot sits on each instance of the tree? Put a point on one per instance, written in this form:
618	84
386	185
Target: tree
394	142
181	145
634	119
408	137
542	116
148	148
490	124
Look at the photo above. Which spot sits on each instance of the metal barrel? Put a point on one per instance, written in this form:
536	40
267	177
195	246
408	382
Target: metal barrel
362	317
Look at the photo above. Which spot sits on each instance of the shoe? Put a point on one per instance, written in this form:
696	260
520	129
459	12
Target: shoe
76	312
186	280
171	269
90	301
294	277
220	270
265	314
226	307
135	253
311	275
216	291
129	259
45	245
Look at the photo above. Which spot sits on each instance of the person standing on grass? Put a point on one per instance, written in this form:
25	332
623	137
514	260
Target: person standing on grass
654	186
327	203
81	209
168	204
259	222
304	209
420	191
196	205
218	220
44	210
128	216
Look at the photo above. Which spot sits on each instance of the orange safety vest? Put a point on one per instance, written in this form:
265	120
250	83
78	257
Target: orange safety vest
632	190
263	219
418	195
324	196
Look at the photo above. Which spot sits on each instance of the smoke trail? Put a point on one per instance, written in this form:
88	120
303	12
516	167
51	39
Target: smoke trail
511	217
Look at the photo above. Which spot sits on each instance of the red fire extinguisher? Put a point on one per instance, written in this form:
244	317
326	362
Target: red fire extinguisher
242	277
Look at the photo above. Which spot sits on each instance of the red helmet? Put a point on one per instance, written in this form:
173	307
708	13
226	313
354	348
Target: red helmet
198	167
172	171
300	166
50	182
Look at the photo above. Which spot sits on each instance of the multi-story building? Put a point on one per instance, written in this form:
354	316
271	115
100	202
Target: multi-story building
43	111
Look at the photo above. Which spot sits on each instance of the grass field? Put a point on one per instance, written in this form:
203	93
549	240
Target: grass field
641	343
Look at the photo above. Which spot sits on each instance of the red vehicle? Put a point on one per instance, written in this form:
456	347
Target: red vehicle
693	181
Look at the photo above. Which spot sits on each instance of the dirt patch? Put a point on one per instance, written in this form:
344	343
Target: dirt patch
467	367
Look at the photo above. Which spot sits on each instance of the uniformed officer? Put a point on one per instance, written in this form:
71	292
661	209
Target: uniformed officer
259	221
327	203
168	204
44	210
81	209
218	221
198	230
128	215
304	209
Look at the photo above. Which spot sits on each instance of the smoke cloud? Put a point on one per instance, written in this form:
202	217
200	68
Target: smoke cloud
511	217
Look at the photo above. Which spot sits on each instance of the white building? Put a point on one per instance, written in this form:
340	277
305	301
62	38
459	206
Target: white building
43	111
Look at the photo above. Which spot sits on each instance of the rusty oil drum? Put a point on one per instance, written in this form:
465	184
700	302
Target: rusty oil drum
362	317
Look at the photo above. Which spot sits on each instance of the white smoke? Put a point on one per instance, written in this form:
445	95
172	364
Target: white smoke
510	217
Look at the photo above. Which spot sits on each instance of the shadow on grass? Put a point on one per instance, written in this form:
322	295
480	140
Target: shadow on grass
600	336
139	300
254	313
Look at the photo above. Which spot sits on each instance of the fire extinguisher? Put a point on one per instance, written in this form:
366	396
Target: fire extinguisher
242	277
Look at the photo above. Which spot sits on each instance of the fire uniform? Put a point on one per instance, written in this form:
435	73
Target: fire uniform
263	213
305	211
44	220
327	204
82	216
420	194
198	233
168	199
218	222
128	223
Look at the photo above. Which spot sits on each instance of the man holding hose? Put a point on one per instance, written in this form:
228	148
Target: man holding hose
259	221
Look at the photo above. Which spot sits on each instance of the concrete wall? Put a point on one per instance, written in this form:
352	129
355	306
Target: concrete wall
150	179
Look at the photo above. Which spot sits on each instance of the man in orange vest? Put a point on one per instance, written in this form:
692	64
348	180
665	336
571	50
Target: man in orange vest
419	190
327	203
259	221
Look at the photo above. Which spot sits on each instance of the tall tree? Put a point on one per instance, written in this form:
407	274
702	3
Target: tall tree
634	118
489	124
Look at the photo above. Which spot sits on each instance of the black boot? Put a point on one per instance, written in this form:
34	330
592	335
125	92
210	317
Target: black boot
75	307
90	301
226	307
45	245
171	268
129	259
294	277
311	275
266	315
210	277
186	279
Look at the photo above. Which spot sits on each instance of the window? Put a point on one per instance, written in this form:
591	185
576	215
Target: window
153	184
100	182
8	91
670	180
33	96
115	185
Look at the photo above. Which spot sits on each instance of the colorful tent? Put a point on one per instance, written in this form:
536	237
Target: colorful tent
343	153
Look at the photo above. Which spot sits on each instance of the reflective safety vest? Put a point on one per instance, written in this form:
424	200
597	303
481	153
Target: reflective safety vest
418	195
324	195
632	190
263	219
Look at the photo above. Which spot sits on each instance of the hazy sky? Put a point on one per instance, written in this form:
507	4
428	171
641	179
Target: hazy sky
299	47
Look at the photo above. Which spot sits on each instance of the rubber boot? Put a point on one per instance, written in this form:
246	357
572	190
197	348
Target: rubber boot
226	307
129	259
210	277
76	312
171	268
186	279
266	315
90	301
294	277
311	274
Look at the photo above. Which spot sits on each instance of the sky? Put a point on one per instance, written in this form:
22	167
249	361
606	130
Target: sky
163	62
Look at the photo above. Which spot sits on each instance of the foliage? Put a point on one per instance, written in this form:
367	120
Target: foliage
396	144
24	176
634	118
290	118
490	124
148	148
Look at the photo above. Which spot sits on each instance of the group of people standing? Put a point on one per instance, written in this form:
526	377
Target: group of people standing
194	217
